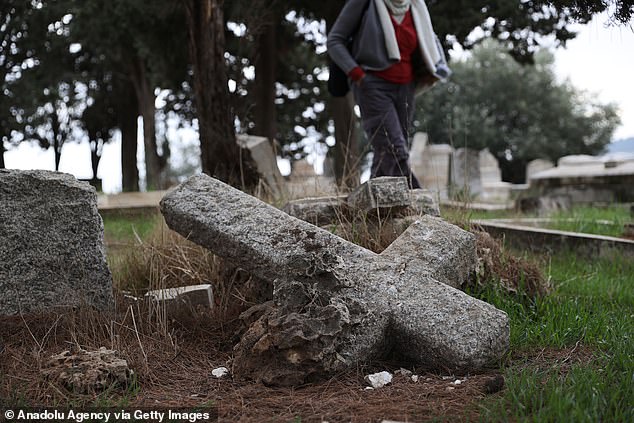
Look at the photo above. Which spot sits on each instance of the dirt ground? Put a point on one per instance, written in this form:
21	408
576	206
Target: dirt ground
173	368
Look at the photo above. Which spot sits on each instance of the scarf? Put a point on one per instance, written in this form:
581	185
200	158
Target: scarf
398	7
427	40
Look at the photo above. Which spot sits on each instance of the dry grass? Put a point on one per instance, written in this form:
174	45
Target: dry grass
175	370
498	266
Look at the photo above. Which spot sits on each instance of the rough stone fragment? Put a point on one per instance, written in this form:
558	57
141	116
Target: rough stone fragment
87	372
423	203
386	192
318	211
334	303
51	243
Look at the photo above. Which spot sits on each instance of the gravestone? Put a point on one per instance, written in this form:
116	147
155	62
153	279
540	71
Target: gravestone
51	243
489	167
335	304
304	182
417	154
465	174
535	166
433	168
493	188
265	161
587	180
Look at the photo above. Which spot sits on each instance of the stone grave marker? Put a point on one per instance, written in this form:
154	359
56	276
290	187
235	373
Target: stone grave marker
265	162
335	304
52	251
493	188
465	173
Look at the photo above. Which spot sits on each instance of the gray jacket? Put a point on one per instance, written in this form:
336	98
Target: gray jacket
361	21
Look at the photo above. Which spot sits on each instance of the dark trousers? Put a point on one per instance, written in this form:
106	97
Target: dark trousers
387	110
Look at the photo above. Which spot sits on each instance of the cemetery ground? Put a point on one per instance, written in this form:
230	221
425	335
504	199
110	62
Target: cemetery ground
570	357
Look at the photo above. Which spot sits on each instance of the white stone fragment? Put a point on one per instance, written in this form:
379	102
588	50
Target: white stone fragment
379	380
415	378
220	372
457	382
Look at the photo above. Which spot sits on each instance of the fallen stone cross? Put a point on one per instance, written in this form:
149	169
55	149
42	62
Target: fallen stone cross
335	304
52	252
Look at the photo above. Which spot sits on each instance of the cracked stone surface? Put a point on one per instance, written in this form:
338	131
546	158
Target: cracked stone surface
52	252
87	372
334	304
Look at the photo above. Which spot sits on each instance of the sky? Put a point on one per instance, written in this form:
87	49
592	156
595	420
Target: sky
600	60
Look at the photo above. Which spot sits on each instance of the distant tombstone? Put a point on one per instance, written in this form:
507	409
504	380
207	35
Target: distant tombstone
52	251
587	180
265	162
536	166
304	181
579	160
489	167
465	173
493	189
417	153
432	166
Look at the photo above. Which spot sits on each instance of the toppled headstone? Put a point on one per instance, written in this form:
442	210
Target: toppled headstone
318	211
265	161
52	252
385	192
87	372
342	209
422	202
334	303
180	297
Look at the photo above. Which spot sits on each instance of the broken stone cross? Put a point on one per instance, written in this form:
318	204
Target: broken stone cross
335	304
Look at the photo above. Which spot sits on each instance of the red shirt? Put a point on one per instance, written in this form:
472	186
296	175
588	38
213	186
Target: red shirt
402	72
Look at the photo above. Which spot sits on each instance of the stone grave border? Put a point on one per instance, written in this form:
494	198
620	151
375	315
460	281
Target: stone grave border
518	234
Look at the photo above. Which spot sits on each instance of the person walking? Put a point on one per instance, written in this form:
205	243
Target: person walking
390	52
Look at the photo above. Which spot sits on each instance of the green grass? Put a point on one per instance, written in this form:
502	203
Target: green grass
592	308
589	220
122	229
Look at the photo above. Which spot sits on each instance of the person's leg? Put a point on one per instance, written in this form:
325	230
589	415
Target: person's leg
377	100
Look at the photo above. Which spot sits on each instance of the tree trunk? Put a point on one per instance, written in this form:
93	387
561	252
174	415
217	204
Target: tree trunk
265	72
126	109
2	150
346	150
147	110
57	141
220	155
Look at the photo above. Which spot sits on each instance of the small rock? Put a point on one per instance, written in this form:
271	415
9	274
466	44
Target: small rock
415	378
379	380
369	388
457	382
220	372
446	377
